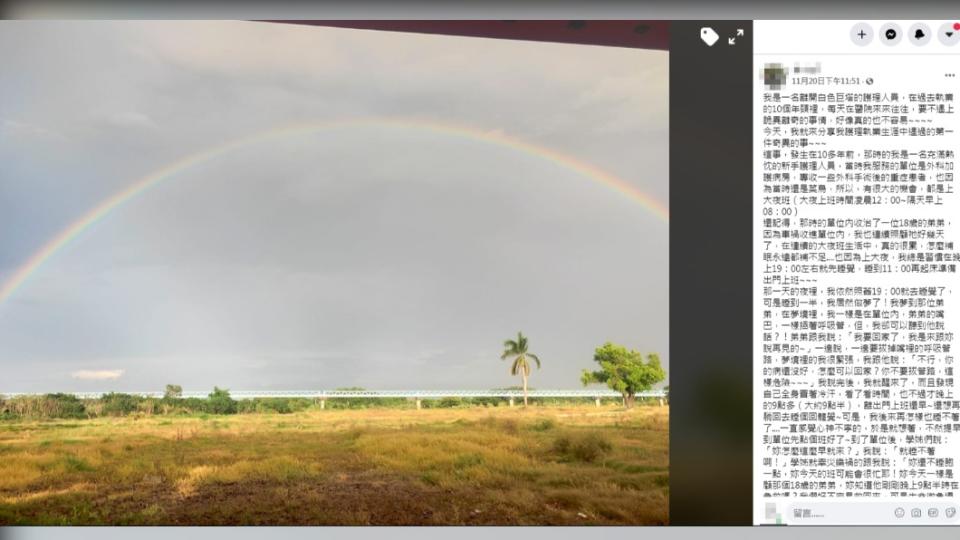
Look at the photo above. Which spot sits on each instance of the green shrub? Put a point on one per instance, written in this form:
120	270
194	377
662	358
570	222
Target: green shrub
277	405
487	401
45	406
544	425
220	402
149	405
75	464
115	404
274	405
586	447
370	403
192	405
66	405
247	406
449	403
173	391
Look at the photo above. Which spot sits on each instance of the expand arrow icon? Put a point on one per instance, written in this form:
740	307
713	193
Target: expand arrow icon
739	31
731	41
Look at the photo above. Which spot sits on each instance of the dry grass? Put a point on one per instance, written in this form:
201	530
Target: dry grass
563	465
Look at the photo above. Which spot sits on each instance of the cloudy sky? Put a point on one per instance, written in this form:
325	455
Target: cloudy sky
373	255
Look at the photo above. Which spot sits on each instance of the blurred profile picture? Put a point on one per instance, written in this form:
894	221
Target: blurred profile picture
774	76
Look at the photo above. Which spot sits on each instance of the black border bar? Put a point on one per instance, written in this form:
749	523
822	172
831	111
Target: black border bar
710	274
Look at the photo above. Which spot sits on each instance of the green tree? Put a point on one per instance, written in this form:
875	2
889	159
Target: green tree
60	406
220	402
517	349
173	391
625	371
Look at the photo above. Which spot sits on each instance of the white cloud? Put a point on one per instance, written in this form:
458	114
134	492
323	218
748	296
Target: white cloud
131	119
97	375
23	128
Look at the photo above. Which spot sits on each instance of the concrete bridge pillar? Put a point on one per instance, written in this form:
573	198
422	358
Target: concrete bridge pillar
418	404
511	402
661	402
598	402
323	404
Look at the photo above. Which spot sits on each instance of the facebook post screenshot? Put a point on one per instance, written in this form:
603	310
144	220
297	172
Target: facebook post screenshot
528	271
856	219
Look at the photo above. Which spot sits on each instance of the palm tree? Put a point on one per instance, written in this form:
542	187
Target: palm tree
518	348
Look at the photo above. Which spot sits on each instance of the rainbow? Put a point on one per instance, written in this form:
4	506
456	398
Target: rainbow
64	237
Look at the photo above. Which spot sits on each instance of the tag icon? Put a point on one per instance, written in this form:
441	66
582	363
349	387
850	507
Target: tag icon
708	36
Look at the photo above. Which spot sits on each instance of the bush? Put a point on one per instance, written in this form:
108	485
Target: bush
488	401
449	403
247	406
173	391
115	404
45	406
273	405
544	425
61	406
220	402
281	406
276	405
464	461
585	448
370	403
148	405
194	405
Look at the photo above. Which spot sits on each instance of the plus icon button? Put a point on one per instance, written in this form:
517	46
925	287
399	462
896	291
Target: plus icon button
861	34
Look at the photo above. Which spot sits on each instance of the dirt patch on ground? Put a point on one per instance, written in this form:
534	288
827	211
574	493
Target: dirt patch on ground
363	499
458	467
348	502
354	499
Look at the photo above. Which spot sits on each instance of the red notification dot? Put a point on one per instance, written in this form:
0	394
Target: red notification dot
956	26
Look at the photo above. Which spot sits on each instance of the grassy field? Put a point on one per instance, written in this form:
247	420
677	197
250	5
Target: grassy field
545	465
